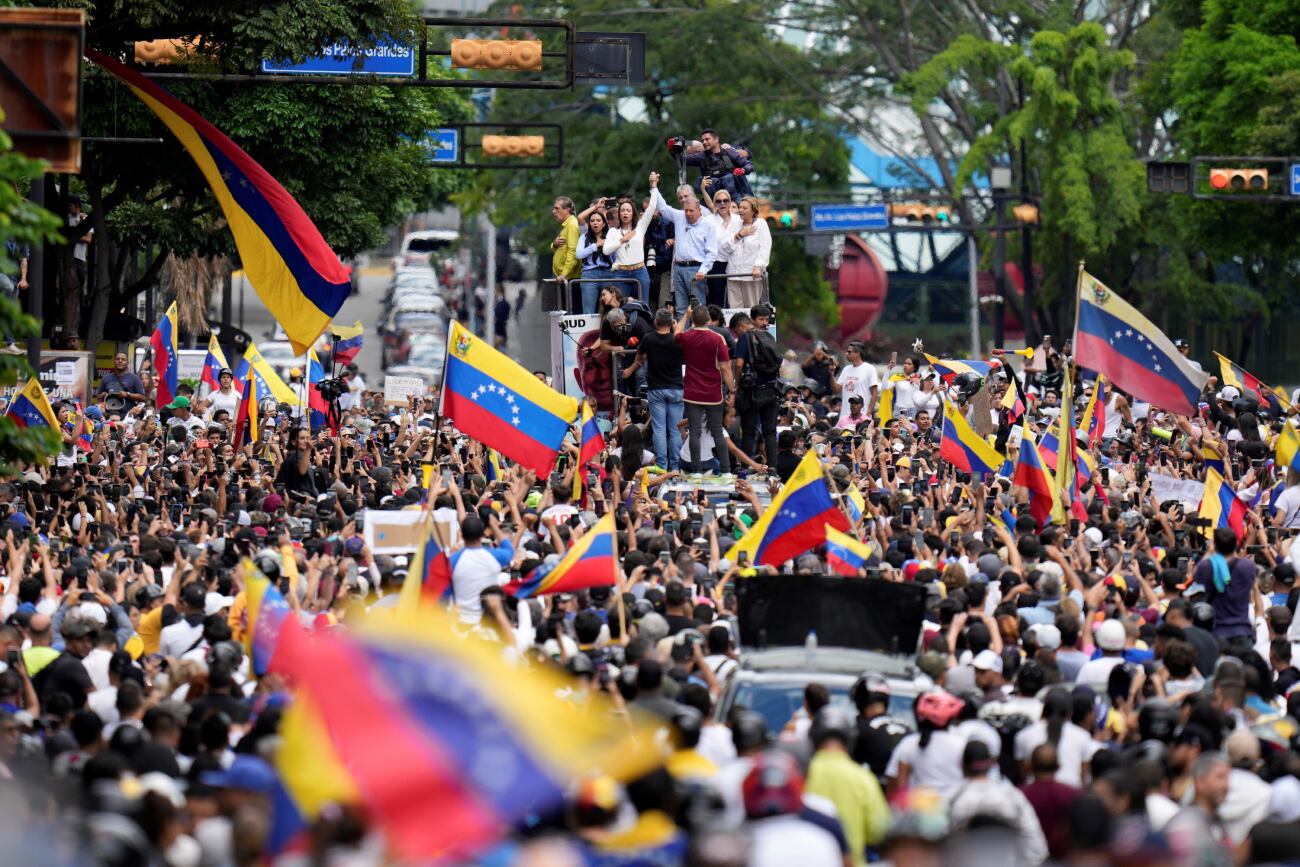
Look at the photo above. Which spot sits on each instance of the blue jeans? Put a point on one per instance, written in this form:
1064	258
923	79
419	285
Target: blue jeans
591	291
637	285
666	408
684	284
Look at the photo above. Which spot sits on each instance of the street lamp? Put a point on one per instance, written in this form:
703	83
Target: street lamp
999	182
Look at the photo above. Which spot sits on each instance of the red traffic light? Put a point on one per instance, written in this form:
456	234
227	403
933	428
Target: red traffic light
1239	179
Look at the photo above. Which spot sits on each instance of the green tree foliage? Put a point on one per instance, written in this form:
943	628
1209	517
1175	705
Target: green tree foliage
348	154
709	63
22	226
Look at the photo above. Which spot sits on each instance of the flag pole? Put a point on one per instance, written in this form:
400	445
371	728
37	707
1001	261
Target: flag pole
619	588
1078	300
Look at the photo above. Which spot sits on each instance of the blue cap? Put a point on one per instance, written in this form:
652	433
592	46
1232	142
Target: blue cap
20	519
93	411
245	772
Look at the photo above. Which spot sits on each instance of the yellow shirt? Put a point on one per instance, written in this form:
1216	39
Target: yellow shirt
857	796
564	261
150	630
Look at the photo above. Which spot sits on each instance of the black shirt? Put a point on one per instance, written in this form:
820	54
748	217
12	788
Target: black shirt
1207	649
743	350
786	461
664	360
678	622
64	674
293	480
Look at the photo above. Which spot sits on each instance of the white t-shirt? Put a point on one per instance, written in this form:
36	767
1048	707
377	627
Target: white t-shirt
1074	748
104	702
706	445
96	663
219	400
191	424
858	379
1288	506
178	638
1096	672
938	766
475	569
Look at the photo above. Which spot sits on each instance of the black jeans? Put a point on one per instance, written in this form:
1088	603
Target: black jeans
697	415
759	419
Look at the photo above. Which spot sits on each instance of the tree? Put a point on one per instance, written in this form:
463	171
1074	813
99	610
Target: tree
22	225
708	64
349	154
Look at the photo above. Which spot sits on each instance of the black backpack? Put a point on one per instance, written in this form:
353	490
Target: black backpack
635	308
764	357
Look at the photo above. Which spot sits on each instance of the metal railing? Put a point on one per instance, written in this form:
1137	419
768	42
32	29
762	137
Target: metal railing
556	300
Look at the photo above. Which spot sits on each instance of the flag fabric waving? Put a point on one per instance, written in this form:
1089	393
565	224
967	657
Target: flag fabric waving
1221	505
213	364
448	744
796	519
30	407
590	444
247	421
347	341
1236	375
845	554
1287	448
268	616
489	396
1031	476
1112	338
1067	459
296	274
1094	414
317	408
591	562
965	449
948	368
166	362
268	380
854	503
430	574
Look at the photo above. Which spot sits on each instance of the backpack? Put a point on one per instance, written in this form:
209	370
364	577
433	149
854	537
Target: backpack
764	357
635	308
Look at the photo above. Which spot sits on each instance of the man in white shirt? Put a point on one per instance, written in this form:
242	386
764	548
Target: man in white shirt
474	568
183	417
183	630
858	377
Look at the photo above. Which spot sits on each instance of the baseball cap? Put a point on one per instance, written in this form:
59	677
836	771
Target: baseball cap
987	660
1110	635
1229	392
147	594
251	773
1047	636
272	502
194	595
181	402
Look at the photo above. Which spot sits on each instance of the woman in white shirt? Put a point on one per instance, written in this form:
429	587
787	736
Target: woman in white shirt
904	388
747	250
625	244
926	397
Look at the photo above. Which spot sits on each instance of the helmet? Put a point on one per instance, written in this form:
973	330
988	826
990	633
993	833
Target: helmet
773	786
968	383
1157	721
1203	616
938	708
748	730
831	722
869	689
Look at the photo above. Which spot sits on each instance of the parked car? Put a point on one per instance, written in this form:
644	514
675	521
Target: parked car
424	246
772	682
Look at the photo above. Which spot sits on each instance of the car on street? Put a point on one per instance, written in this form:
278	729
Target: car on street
425	246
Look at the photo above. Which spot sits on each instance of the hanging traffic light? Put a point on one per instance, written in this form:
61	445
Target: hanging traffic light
1026	214
1239	179
915	212
779	219
787	219
513	145
523	54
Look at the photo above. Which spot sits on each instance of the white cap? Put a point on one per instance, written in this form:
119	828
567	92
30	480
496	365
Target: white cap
93	611
1110	635
1229	392
1047	636
987	660
214	602
1093	535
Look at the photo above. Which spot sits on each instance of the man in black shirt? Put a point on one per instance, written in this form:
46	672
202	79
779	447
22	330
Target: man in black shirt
295	472
662	357
760	391
786	459
66	673
621	336
677	608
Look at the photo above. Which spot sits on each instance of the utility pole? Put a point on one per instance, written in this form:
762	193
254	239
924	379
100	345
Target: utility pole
1026	243
1000	181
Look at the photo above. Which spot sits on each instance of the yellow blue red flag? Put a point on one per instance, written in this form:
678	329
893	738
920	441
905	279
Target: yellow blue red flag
796	519
592	562
845	554
1288	447
30	407
166	361
965	449
267	379
1221	506
296	274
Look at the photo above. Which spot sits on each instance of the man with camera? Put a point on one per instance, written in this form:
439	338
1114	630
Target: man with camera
758	361
722	167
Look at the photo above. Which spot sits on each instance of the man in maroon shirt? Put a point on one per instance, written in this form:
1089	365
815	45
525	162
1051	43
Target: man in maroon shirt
1051	800
707	367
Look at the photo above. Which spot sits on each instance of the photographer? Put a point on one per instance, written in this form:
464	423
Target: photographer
758	362
722	167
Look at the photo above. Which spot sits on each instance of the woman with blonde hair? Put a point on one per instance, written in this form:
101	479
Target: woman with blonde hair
748	250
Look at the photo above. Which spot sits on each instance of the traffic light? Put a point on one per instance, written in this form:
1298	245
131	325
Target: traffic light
164	50
525	54
785	219
916	212
1026	215
1239	179
514	145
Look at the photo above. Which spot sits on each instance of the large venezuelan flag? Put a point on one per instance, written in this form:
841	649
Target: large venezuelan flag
948	368
965	449
592	562
492	398
268	380
268	616
1031	475
1236	375
1287	448
796	519
1112	338
845	554
296	274
448	745
166	361
430	574
30	407
1221	505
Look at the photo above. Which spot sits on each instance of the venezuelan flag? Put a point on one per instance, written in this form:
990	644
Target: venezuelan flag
590	444
30	407
448	744
247	421
948	368
1221	505
1287	448
492	467
492	398
348	340
268	380
1012	400
854	503
1067	461
317	408
845	554
1031	475
1236	375
592	562
1094	414
268	616
296	274
885	406
965	449
166	361
796	519
213	363
430	574
1049	448
1211	458
1112	338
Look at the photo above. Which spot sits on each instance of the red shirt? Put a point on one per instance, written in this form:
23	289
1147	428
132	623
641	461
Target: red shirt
705	352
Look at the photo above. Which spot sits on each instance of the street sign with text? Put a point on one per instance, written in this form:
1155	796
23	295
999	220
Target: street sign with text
443	145
388	58
849	218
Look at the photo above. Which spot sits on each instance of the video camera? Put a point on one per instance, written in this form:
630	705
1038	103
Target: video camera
332	388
